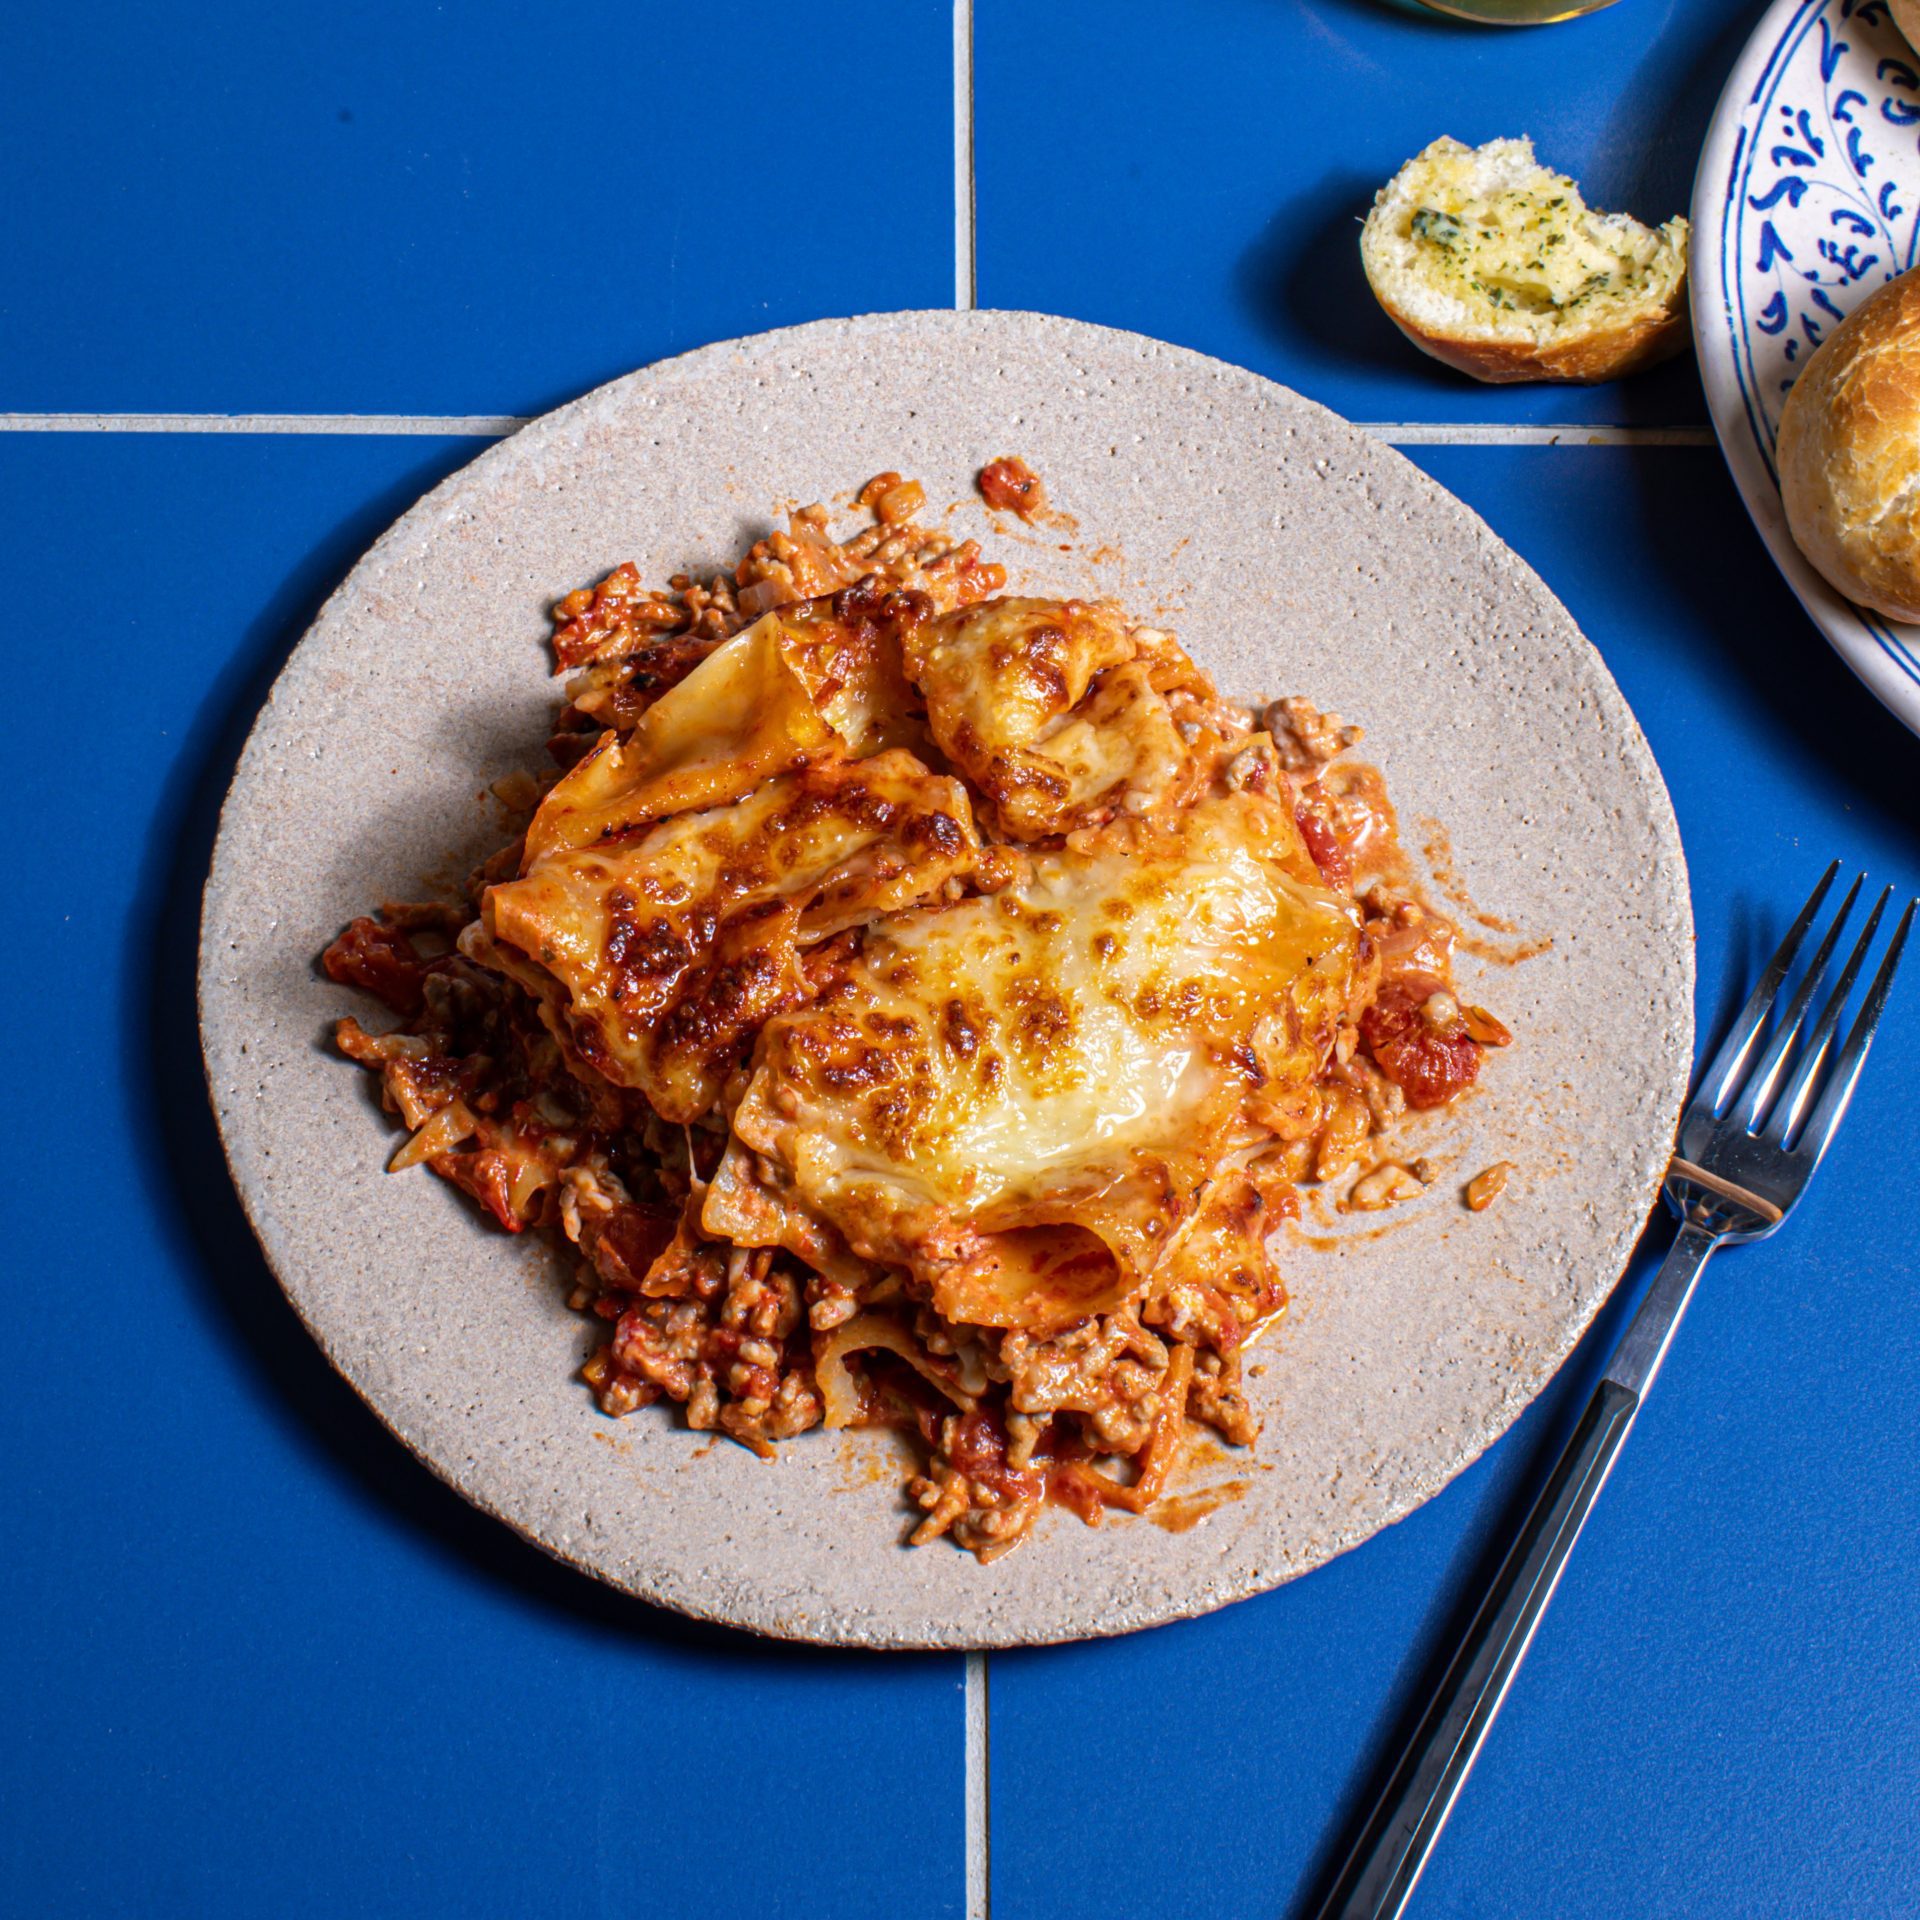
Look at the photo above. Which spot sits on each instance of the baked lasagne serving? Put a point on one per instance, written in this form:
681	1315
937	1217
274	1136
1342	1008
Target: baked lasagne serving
911	1004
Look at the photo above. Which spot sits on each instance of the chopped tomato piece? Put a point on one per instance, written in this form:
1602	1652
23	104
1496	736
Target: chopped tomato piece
1013	486
382	960
1430	1064
1329	851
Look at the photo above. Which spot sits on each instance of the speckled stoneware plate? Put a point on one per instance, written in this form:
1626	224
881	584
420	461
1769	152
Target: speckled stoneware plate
1292	554
1806	201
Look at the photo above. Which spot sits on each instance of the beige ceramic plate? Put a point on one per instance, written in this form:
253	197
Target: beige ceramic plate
1292	554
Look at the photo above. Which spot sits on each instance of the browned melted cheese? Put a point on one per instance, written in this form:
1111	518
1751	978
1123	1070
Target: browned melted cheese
1026	1098
1054	709
672	880
1038	1100
985	1129
672	946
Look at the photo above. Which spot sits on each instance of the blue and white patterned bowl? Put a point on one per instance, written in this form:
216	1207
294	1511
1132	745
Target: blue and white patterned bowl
1807	199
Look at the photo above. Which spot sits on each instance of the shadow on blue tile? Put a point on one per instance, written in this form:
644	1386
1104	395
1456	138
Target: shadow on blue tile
1705	554
1236	234
1674	104
1304	271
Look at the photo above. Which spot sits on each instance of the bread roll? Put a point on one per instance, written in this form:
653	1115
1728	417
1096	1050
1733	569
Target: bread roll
1493	263
1906	16
1849	453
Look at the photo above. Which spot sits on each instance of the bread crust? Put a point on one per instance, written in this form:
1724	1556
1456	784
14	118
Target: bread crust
1848	453
1580	359
1906	16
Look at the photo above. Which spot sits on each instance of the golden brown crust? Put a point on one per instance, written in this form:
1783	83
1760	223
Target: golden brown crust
1906	16
1849	454
1580	359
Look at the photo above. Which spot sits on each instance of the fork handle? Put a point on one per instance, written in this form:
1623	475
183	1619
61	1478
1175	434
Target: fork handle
1380	1873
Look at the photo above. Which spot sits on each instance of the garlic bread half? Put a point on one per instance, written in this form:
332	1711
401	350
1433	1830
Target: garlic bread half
1493	263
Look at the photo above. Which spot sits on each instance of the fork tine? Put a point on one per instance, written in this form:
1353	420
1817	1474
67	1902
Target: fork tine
1831	1107
1793	1102
1724	1070
1765	1077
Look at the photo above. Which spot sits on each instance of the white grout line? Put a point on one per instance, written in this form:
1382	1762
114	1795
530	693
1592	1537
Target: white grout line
979	1886
1423	433
966	283
472	426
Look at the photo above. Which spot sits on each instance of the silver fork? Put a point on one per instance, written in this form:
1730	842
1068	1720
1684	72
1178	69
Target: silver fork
1748	1145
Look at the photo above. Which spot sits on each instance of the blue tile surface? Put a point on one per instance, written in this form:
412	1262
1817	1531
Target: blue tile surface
255	1660
404	207
1198	173
1718	1716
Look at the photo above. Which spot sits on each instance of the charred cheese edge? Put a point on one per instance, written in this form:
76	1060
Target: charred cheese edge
672	946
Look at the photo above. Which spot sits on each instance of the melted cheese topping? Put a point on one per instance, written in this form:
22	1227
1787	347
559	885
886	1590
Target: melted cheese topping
1070	1053
1053	709
1038	1100
673	944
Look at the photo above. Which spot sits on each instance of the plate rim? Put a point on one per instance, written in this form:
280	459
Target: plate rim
1849	630
552	430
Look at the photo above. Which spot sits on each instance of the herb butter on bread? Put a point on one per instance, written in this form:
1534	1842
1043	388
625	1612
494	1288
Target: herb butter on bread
1495	264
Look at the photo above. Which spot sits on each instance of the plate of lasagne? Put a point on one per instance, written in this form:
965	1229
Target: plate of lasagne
945	980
